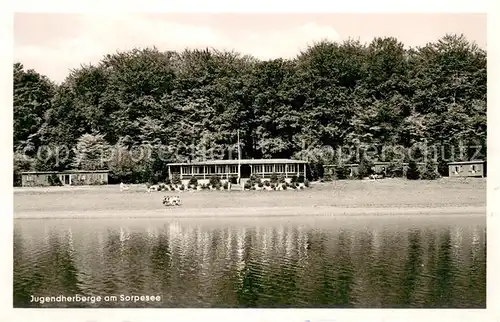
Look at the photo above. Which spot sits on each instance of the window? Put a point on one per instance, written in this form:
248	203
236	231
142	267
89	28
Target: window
291	168
186	170
258	169
280	168
268	168
473	167
233	169
220	169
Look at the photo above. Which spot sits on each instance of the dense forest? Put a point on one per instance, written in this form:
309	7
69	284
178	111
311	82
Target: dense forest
140	109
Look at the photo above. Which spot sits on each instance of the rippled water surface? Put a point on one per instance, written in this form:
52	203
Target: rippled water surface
322	262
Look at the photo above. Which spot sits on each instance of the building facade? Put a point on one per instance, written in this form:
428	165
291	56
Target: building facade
65	178
242	169
377	167
475	168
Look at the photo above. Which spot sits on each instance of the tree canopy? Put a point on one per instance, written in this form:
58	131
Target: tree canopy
179	106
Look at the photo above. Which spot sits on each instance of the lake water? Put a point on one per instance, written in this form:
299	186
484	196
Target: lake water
358	262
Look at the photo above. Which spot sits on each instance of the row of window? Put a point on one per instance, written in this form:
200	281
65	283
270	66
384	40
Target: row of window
31	178
209	169
472	168
278	168
83	177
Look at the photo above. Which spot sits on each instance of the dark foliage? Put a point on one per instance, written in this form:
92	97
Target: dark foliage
193	181
54	180
412	173
214	181
176	179
160	107
364	167
429	171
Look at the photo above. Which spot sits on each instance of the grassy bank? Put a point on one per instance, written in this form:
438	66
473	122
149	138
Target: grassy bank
321	198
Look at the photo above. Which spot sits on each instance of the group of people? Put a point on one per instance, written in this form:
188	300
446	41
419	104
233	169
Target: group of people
171	200
124	187
167	200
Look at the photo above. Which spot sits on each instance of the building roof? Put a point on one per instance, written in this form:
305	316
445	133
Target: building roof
64	172
243	161
466	162
374	163
339	165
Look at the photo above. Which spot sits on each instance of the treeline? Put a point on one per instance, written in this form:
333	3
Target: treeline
173	106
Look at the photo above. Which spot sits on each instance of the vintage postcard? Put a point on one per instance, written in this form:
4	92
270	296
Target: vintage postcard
257	161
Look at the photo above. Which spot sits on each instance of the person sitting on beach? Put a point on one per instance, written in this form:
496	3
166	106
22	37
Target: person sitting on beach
171	201
123	187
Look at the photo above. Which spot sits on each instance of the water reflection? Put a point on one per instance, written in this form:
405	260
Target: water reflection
285	265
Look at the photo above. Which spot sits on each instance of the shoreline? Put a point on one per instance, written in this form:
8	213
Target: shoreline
141	187
258	212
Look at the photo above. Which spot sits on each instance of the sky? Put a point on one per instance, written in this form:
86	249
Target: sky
53	43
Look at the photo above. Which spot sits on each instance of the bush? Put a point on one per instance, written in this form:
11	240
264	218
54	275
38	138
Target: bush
395	170
260	184
429	172
412	173
341	172
284	186
214	181
267	183
274	177
233	179
54	180
161	186
364	168
293	179
281	178
254	179
77	182
306	183
300	179
247	185
193	181
181	188
327	177
176	179
317	170
226	185
273	186
167	181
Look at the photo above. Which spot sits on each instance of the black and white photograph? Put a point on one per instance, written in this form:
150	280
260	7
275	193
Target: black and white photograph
249	160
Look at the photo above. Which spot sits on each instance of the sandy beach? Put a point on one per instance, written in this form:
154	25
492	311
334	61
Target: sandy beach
258	212
341	198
